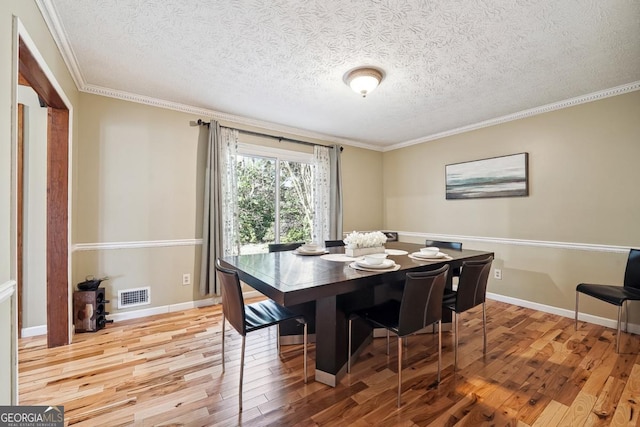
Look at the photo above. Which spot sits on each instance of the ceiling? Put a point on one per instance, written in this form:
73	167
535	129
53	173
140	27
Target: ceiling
450	65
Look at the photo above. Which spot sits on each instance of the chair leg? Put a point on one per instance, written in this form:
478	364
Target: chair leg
278	339
626	316
575	326
241	372
484	328
387	342
349	349
399	369
305	352
223	321
455	344
618	335
439	347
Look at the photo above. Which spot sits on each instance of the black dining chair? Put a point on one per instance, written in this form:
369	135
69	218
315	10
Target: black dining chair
456	246
421	306
443	244
333	243
250	317
283	247
616	295
471	292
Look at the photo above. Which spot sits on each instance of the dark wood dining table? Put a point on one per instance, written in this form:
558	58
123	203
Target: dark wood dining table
326	291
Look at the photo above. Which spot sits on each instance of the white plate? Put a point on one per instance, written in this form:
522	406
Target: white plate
439	255
395	252
318	251
387	263
355	266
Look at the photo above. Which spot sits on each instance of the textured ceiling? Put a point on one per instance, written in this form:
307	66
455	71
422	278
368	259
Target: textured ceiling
448	64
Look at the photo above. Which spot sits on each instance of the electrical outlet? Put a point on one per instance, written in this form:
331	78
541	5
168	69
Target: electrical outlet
497	273
186	279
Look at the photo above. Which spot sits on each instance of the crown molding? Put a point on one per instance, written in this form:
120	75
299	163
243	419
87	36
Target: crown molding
52	20
618	90
218	115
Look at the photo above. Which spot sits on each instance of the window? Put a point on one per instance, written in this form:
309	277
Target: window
275	197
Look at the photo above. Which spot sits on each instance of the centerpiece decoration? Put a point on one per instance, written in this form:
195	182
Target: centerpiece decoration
358	244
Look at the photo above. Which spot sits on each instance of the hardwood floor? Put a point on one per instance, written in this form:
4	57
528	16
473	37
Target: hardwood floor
165	370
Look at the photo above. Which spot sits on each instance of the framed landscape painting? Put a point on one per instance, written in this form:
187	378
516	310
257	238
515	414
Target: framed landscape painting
506	176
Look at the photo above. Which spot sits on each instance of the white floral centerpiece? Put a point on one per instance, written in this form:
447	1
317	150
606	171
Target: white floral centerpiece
357	244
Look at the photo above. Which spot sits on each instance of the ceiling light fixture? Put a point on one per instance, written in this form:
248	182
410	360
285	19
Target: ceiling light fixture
363	80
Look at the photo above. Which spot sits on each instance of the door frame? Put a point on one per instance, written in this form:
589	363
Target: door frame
28	62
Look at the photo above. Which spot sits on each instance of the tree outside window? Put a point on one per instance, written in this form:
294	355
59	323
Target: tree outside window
275	200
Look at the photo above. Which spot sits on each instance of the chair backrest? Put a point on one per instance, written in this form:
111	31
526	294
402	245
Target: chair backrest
333	243
456	246
472	287
282	247
632	272
232	300
421	303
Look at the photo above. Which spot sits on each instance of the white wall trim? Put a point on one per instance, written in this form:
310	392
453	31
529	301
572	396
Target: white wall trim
53	22
597	320
141	244
62	41
618	90
135	314
7	290
251	294
520	242
34	331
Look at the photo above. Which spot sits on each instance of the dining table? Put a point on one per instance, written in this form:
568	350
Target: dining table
326	286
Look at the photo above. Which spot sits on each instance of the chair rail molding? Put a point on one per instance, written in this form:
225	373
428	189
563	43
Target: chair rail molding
521	242
7	290
139	244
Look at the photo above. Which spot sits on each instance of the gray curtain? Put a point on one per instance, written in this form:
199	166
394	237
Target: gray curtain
335	217
212	215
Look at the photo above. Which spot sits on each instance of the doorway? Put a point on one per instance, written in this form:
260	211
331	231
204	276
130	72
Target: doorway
31	72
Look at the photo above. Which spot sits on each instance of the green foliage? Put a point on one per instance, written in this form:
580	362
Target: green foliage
296	202
256	200
256	193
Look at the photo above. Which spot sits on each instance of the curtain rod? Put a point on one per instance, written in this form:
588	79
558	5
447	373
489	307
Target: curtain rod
201	122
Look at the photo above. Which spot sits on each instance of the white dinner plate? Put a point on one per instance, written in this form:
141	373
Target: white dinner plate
387	263
355	266
319	251
439	255
395	252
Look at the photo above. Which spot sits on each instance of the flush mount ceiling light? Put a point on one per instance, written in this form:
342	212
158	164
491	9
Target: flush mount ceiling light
363	80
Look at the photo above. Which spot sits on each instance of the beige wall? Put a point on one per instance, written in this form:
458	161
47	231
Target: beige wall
362	175
30	17
140	171
583	175
139	179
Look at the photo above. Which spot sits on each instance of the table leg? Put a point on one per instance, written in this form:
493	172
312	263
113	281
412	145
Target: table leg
330	342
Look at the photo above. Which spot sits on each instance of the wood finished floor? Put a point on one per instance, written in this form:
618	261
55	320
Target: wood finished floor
165	370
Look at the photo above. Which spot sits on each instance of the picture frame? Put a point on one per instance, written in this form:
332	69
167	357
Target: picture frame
503	176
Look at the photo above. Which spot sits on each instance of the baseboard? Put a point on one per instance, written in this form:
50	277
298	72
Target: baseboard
252	294
597	320
136	314
34	331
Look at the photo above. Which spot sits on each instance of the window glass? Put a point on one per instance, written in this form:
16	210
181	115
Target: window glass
275	197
